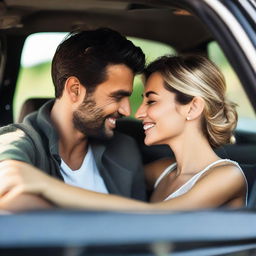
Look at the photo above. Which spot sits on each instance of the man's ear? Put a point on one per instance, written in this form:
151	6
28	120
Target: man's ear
196	107
74	89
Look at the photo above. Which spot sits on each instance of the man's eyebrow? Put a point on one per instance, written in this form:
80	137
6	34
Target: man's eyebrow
149	92
121	93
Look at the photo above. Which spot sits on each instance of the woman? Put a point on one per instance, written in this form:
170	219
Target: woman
184	106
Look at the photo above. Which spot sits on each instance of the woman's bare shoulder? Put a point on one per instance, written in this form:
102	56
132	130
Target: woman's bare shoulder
218	186
226	169
227	175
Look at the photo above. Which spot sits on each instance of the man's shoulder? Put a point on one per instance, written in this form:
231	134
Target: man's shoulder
11	133
19	135
17	131
15	144
7	129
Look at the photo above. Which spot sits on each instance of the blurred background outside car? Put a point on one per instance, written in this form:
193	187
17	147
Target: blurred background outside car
34	80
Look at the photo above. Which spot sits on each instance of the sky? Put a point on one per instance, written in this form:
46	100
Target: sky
40	48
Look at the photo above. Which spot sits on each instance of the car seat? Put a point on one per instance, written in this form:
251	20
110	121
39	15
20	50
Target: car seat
31	105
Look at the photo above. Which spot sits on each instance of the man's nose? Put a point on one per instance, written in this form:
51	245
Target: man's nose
125	107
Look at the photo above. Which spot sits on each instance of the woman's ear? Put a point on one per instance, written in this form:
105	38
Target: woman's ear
74	89
196	107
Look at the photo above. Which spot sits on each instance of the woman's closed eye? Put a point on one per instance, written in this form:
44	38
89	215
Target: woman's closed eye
150	102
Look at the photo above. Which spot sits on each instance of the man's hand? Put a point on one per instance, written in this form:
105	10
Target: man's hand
17	180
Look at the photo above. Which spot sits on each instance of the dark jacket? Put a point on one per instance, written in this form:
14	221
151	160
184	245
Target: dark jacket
35	141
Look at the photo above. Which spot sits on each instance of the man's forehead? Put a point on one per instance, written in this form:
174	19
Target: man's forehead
117	67
118	82
118	70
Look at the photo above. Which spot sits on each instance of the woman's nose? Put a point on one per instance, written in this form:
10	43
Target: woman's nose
141	112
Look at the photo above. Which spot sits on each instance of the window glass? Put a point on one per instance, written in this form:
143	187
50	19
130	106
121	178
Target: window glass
235	91
35	81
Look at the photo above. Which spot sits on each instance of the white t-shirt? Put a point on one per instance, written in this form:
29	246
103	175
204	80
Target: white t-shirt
87	176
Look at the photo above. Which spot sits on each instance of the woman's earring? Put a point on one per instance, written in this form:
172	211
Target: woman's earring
188	118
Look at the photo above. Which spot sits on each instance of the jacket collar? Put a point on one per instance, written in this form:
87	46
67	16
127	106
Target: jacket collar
45	124
116	176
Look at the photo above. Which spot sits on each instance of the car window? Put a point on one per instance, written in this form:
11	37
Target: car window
34	80
235	91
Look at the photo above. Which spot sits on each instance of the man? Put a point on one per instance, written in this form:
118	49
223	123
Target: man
72	137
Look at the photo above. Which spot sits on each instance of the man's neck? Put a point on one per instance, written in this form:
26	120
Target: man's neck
73	145
73	157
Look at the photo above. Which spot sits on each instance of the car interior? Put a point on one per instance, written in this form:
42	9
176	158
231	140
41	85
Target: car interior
177	25
187	26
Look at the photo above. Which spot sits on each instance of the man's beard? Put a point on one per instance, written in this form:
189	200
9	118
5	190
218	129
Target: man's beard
90	120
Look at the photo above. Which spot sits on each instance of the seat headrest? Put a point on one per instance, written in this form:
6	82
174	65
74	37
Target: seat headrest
31	105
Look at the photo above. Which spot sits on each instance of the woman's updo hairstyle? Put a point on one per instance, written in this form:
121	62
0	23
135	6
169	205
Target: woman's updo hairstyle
189	76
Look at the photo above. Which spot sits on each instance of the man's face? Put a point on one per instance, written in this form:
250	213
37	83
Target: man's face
96	116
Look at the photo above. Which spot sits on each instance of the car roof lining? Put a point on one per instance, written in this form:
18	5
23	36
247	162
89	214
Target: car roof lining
181	30
69	5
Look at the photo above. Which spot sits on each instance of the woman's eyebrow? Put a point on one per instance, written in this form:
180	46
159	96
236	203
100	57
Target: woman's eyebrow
150	92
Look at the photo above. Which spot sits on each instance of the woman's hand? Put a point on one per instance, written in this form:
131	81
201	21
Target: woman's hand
17	177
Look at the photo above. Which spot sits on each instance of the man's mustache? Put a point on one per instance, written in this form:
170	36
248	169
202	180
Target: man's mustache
116	115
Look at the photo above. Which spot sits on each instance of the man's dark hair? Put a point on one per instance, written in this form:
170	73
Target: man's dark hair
86	54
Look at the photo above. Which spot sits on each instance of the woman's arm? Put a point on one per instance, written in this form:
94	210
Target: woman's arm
221	185
23	202
213	190
218	187
17	178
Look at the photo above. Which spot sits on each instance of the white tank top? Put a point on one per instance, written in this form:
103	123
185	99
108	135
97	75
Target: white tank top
191	182
87	176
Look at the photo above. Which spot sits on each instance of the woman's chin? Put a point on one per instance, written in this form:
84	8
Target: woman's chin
149	142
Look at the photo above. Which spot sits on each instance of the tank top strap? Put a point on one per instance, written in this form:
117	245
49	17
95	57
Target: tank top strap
208	167
169	169
196	177
190	183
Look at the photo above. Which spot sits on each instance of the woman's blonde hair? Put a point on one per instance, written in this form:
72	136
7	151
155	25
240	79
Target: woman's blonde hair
189	76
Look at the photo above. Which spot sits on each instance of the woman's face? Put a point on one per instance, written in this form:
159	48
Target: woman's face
163	118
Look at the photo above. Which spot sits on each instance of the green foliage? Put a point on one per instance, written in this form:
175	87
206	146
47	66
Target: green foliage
235	91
